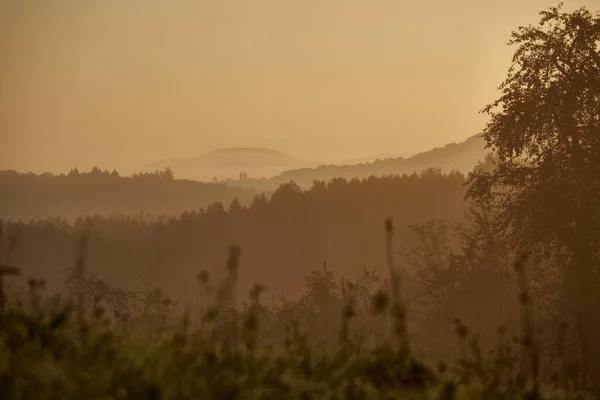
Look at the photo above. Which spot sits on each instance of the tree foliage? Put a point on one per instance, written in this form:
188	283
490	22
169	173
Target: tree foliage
545	131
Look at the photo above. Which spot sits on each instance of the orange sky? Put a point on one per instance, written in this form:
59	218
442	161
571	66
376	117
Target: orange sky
119	84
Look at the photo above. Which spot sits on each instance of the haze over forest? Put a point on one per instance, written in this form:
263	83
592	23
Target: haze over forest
183	183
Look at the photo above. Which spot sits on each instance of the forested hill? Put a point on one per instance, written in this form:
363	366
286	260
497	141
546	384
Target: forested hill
102	192
462	157
283	237
27	195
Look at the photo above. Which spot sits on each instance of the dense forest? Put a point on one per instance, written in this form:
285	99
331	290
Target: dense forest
283	236
450	250
27	195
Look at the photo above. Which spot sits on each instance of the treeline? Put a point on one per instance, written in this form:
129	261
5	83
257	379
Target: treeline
27	195
305	246
282	237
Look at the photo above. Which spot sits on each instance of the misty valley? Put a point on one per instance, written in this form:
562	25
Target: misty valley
467	271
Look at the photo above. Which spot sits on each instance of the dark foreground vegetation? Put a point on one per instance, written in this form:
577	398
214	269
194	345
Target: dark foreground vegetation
91	343
507	258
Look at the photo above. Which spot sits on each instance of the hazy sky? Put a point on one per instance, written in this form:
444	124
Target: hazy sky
120	83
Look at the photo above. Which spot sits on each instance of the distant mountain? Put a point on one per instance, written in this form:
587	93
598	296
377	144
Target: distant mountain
454	156
229	162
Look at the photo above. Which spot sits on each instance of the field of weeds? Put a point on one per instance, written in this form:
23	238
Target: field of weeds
71	347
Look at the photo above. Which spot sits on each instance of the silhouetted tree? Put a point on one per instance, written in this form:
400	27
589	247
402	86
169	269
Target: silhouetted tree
235	207
545	130
168	174
463	271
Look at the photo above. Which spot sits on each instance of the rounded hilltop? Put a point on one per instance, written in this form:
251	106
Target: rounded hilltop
249	156
237	150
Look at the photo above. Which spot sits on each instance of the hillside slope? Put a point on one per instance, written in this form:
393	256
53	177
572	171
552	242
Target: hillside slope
454	156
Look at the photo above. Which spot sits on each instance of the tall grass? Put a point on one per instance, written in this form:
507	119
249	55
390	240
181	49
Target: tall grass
55	348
